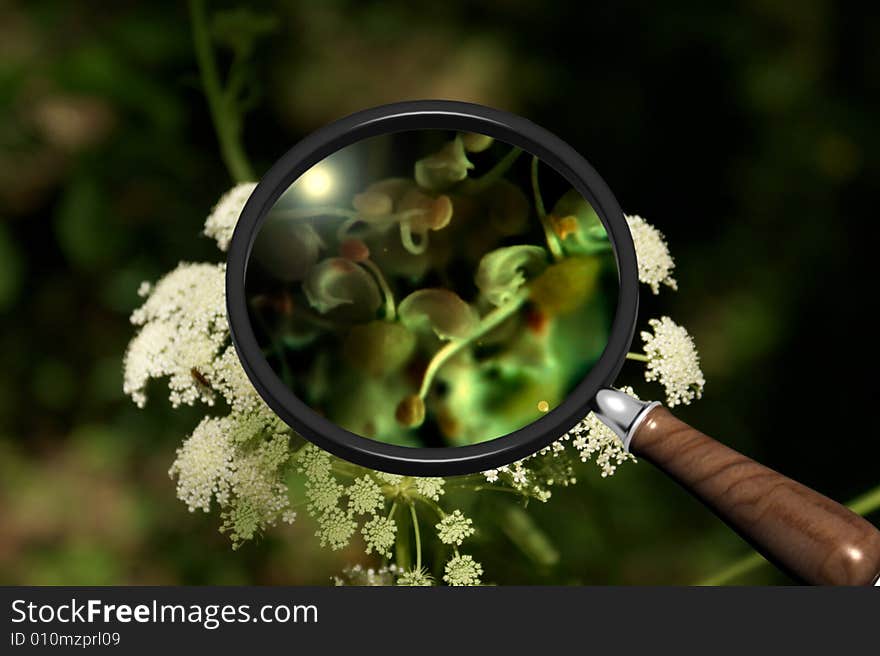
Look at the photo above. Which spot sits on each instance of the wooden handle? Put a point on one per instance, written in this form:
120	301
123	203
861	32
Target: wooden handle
803	532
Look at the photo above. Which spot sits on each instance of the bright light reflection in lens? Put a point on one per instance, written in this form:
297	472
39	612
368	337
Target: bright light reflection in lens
316	182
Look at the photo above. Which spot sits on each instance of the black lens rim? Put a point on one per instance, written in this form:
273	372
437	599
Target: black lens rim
440	115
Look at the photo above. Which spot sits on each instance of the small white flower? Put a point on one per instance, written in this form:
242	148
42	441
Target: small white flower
379	535
454	528
673	361
323	494
184	327
335	529
654	261
221	222
204	467
365	496
491	475
430	487
463	570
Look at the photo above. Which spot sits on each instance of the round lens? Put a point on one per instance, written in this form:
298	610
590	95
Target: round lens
429	288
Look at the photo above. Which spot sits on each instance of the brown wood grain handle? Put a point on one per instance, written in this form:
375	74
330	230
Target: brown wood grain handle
803	532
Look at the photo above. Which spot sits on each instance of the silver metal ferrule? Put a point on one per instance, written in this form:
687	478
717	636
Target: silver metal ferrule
622	413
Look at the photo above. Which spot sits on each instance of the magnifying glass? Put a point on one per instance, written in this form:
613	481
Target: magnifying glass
436	288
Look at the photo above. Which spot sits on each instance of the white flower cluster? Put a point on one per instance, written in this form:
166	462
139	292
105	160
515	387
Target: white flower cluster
237	462
654	261
595	441
183	326
221	222
673	361
454	528
463	570
240	461
379	534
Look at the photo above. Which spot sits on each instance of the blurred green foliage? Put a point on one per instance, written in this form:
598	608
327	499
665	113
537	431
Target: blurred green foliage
745	131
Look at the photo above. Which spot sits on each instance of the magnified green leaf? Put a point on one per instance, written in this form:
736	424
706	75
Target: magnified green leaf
444	168
503	271
444	311
337	282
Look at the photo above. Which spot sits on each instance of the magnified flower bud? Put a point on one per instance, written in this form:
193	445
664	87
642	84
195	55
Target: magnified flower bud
444	311
354	249
444	168
337	282
372	203
379	348
436	212
410	411
564	286
503	271
564	226
475	142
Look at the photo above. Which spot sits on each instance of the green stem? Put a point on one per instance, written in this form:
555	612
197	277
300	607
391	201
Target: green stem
864	504
227	122
549	234
639	357
490	321
390	307
476	185
415	521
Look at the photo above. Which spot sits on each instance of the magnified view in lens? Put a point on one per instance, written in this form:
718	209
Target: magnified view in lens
430	288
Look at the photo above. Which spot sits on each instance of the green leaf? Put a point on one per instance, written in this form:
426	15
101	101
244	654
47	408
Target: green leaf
444	311
503	271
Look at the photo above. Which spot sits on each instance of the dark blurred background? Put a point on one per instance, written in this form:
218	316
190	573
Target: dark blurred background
746	131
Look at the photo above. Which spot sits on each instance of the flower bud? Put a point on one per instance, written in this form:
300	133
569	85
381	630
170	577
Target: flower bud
354	249
474	142
372	203
410	411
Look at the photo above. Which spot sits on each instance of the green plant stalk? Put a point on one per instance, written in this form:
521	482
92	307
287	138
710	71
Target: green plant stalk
490	321
549	234
415	521
864	504
227	123
476	185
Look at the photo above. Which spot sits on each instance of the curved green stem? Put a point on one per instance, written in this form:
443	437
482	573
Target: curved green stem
390	307
549	234
406	238
864	504
227	122
476	185
490	321
415	521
